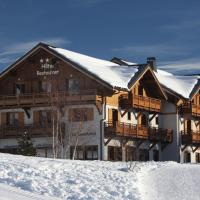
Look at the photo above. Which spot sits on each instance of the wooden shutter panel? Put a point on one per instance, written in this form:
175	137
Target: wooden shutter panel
90	114
119	116
3	118
21	119
67	84
36	117
110	118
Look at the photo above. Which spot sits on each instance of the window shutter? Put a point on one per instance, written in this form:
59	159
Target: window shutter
21	119
36	118
3	118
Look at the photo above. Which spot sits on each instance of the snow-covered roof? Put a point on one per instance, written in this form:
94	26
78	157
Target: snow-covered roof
182	85
112	73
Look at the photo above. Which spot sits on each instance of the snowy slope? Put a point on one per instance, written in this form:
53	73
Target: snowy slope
28	178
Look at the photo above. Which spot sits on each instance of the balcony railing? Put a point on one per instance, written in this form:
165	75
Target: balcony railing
138	132
35	99
31	130
190	137
190	108
140	102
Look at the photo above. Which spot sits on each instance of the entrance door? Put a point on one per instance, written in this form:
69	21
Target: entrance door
187	157
189	126
144	120
114	153
115	115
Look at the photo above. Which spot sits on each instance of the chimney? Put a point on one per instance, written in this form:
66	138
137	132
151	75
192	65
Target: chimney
152	62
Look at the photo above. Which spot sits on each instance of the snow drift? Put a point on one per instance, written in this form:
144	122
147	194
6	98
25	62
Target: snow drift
28	177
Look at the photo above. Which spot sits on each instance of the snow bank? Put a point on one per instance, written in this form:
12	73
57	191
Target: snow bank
28	178
164	181
112	73
68	179
13	193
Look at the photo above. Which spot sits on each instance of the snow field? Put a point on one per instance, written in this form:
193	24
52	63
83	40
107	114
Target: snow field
68	179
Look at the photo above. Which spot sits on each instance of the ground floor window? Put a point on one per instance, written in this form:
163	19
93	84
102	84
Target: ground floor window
143	155
131	154
89	152
10	150
187	157
197	157
155	155
114	153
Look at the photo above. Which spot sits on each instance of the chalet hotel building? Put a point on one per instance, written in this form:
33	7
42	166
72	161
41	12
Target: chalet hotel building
76	106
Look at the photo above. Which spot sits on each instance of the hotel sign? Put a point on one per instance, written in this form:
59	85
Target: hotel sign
46	68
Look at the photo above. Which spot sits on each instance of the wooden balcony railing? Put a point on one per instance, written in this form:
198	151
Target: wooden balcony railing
140	102
190	108
190	137
35	99
138	132
31	130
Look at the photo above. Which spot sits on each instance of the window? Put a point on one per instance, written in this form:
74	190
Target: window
144	120
187	157
157	122
197	157
45	118
143	155
20	88
114	153
129	115
45	86
74	86
78	151
81	114
130	153
84	152
155	155
12	119
91	152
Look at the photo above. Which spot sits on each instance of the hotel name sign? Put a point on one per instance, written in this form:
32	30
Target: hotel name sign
46	68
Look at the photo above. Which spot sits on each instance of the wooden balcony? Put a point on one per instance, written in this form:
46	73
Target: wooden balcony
7	132
191	109
48	99
190	138
140	102
138	132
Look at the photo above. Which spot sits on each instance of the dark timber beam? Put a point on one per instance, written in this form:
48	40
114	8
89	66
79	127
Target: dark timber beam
108	141
139	143
182	149
193	150
151	146
152	117
27	111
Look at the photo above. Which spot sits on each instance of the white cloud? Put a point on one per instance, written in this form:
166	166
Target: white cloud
183	25
152	50
85	3
8	53
187	66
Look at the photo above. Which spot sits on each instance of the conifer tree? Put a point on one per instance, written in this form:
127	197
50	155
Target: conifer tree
25	146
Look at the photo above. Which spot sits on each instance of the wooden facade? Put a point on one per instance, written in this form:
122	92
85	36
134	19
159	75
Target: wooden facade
138	132
29	89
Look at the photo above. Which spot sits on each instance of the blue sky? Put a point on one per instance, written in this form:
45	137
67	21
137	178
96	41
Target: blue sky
129	29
